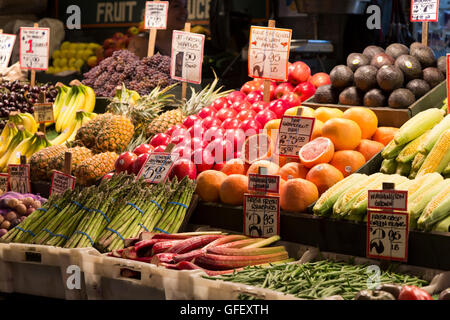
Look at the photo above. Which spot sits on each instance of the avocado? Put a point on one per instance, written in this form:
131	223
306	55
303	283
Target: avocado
381	59
442	64
370	51
390	78
351	96
395	50
341	76
375	98
366	78
425	55
414	46
356	60
410	66
419	87
326	94
401	98
433	76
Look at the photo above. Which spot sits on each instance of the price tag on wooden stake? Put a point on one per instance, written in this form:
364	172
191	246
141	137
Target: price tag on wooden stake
19	178
61	182
4	177
34	48
424	10
43	113
295	132
6	48
156	14
263	183
158	167
262	215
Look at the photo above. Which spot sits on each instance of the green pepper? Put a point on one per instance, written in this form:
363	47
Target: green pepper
374	295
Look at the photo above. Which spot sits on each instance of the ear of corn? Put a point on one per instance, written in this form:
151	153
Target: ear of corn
447	170
443	226
403	169
418	161
388	166
347	196
410	151
434	135
437	210
324	205
423	183
439	156
420	201
418	125
392	150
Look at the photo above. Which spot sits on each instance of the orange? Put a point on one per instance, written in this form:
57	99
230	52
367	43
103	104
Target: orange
320	150
297	194
306	112
348	161
317	131
369	148
282	160
294	169
345	133
272	128
235	166
257	147
324	114
272	168
324	176
384	135
365	118
208	185
233	189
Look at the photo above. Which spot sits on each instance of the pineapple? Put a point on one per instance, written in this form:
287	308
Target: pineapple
197	101
115	135
40	162
88	133
79	155
95	167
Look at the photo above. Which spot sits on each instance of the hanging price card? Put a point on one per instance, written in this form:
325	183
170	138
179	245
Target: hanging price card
388	199
424	10
19	178
157	167
6	47
61	182
156	14
295	132
263	183
43	113
34	48
268	54
4	177
262	215
187	56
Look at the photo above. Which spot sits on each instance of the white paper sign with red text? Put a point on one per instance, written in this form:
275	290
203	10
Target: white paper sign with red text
156	14
261	215
34	48
61	182
4	177
187	56
263	183
158	166
6	48
295	132
19	178
424	10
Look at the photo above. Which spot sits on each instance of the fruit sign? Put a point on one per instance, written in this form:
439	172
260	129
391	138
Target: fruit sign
61	182
4	182
268	54
156	14
262	215
295	132
424	10
19	178
43	113
263	183
34	47
388	225
187	56
6	47
157	167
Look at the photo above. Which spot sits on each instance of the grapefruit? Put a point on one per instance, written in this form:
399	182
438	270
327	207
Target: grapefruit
208	185
233	189
272	168
320	150
294	169
297	194
317	130
235	166
306	112
257	147
345	133
384	135
366	119
348	161
369	148
324	114
324	176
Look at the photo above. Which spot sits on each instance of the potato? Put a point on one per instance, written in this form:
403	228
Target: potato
2	218
3	232
12	203
20	209
5	225
28	201
11	216
37	204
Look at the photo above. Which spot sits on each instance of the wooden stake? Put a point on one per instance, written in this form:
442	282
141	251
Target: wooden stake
152	42
187	28
425	33
33	72
23	159
267	82
42	100
68	163
1	31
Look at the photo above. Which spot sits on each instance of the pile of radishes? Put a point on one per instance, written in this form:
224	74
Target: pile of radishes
15	207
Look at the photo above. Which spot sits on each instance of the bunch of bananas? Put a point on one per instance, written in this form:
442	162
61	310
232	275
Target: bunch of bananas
69	134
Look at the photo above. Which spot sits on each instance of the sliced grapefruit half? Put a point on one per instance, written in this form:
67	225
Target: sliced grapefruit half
320	150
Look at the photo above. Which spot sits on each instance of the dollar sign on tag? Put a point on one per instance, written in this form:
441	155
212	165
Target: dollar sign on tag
374	272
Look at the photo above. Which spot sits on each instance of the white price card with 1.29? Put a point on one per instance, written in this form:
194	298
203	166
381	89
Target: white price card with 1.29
19	178
187	56
424	10
268	54
34	48
61	182
156	14
6	48
295	132
4	177
158	166
261	215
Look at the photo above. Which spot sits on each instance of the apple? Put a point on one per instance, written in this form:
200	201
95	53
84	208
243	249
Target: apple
225	113
259	106
251	127
246	114
237	137
203	159
183	168
320	79
241	105
124	162
197	130
279	107
143	148
213	133
220	103
161	139
139	162
273	87
209	122
292	99
236	96
231	123
221	149
298	72
197	143
207	112
305	90
191	120
176	130
219	166
249	86
265	116
181	140
255	96
282	89
133	31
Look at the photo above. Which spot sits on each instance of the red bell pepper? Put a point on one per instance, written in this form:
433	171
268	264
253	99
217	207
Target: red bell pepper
414	293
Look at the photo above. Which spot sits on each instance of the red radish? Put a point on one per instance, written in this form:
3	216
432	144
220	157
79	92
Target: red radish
209	122
203	159
163	258
143	148
207	112
160	149
161	139
181	140
219	166
292	99
213	133
193	243
298	72
196	143
191	120
260	106
176	130
246	114
255	96
251	127
183	152
139	162
220	103
273	87
236	96
279	107
241	105
237	137
282	89
164	246
305	90
265	116
196	130
225	113
124	162
183	168
231	123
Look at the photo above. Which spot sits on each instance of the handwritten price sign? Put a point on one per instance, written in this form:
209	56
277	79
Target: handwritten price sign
4	177
19	178
295	132
156	14
43	113
263	183
6	47
61	182
424	10
157	167
262	215
34	48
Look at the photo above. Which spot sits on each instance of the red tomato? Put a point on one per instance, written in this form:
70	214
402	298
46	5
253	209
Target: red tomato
184	152
160	148
298	72
176	130
265	116
191	120
213	133
220	103
292	99
241	105
246	114
137	165
143	148
196	131
305	90
255	96
320	79
207	112
236	96
203	159
231	123
124	162
279	107
181	140
209	122
183	168
282	89
251	127
161	139
259	106
237	137
225	113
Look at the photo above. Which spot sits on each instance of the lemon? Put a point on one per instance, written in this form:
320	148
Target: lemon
65	45
56	54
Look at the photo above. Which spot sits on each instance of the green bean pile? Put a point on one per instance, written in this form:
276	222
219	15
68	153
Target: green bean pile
316	280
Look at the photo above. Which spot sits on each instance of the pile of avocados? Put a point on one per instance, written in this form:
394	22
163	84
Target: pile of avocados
395	77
